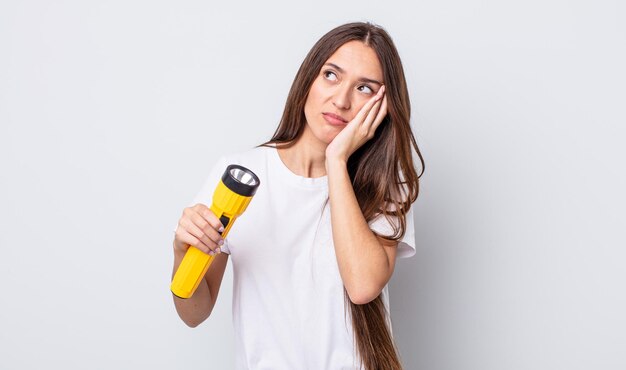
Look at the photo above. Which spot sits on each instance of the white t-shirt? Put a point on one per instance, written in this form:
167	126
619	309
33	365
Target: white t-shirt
288	300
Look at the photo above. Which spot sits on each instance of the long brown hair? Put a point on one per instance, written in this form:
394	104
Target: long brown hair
382	170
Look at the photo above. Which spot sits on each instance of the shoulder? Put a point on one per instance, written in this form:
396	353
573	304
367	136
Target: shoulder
256	158
249	155
259	160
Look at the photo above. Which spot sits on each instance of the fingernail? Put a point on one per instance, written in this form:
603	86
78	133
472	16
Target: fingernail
211	253
221	229
221	242
217	251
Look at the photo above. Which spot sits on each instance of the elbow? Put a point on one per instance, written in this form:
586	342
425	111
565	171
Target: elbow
363	295
192	322
364	289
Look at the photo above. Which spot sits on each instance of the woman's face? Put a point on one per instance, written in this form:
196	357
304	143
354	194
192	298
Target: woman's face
348	79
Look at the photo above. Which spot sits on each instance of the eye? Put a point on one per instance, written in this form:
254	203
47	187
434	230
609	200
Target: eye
330	75
366	89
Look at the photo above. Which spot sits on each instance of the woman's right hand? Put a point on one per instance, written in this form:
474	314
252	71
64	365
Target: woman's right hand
198	226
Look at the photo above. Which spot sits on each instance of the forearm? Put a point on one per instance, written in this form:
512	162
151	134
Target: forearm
195	309
363	263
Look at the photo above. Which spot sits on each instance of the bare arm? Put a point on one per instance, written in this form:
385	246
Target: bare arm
198	226
194	310
366	262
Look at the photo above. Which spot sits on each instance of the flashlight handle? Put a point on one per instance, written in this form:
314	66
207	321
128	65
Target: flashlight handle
227	206
196	263
190	272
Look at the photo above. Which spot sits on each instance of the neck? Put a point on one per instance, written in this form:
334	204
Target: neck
305	158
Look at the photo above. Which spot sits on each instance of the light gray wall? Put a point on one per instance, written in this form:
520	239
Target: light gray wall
111	114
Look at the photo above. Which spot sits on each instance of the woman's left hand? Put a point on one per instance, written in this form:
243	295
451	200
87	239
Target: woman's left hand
358	131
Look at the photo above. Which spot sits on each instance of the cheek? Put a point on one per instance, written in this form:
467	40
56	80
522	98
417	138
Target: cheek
313	101
360	100
315	94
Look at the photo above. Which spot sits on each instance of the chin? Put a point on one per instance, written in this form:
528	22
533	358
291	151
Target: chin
329	137
323	134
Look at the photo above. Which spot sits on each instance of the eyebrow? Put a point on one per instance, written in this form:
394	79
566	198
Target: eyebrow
361	79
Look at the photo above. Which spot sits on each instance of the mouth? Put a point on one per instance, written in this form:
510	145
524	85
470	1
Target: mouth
334	119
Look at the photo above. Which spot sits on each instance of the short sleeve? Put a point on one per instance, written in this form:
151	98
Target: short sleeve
406	245
205	194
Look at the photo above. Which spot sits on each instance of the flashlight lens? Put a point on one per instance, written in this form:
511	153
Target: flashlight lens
240	180
243	177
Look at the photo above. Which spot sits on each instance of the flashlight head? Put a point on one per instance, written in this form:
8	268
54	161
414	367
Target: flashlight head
240	180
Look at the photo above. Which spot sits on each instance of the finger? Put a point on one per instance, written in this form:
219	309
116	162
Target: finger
360	117
205	228
206	244
208	215
382	112
371	116
184	236
197	226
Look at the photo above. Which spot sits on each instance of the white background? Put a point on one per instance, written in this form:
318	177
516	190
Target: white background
112	112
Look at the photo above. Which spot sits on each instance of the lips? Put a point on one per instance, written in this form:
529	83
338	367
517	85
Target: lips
334	119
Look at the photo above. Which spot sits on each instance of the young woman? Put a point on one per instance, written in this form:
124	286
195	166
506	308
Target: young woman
320	239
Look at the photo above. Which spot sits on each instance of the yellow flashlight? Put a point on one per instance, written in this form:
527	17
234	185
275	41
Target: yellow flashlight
230	199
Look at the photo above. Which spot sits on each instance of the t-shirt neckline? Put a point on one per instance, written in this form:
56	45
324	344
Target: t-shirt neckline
309	182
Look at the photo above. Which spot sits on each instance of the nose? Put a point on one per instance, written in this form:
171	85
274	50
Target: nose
341	98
